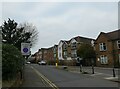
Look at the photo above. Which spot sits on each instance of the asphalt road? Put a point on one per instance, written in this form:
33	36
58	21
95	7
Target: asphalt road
62	78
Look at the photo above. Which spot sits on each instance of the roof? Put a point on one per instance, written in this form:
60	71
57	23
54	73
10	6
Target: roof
82	39
67	42
114	35
64	41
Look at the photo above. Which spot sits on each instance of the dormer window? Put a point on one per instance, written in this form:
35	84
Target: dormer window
118	44
103	46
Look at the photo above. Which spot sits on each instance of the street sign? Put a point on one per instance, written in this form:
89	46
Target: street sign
25	48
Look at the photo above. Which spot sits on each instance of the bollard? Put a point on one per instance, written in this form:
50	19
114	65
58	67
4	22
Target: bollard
113	72
56	64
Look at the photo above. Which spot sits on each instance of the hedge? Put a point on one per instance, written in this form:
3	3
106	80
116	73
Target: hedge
12	62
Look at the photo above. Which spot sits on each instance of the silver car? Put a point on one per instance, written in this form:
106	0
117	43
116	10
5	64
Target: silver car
42	63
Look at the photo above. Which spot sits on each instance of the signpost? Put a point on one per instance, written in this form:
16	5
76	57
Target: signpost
25	48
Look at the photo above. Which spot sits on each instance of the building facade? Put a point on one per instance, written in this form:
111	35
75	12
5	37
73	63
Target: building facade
55	53
67	50
76	42
107	47
60	50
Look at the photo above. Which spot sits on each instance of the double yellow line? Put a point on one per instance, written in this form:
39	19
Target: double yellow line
45	79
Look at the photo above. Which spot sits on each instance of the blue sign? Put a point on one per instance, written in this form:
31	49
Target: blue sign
25	50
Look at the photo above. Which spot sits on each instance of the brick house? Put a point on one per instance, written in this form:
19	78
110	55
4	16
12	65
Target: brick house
107	47
67	50
50	54
47	54
55	52
39	55
75	43
34	58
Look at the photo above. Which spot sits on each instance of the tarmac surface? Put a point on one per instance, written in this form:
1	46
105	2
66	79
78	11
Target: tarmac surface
36	76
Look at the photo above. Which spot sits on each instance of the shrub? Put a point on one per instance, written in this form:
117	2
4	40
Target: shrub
69	62
12	62
51	62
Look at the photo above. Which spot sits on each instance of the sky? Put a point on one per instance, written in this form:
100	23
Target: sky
62	20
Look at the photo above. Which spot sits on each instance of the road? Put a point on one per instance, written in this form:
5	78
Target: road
62	78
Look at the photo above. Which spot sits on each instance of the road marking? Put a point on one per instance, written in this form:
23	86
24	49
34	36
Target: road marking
45	79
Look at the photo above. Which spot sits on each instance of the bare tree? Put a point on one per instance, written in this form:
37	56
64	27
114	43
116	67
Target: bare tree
29	27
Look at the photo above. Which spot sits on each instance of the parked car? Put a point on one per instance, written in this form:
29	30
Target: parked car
28	62
42	63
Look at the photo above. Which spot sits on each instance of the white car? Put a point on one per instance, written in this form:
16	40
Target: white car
42	63
28	62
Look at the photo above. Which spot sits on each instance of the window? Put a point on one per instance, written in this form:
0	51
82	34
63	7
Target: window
59	54
64	46
54	55
118	44
65	53
103	59
74	45
103	47
74	53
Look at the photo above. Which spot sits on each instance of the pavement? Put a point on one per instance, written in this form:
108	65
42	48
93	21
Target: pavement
32	79
88	71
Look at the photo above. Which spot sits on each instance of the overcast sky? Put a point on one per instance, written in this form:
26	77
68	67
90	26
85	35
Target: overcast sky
57	21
